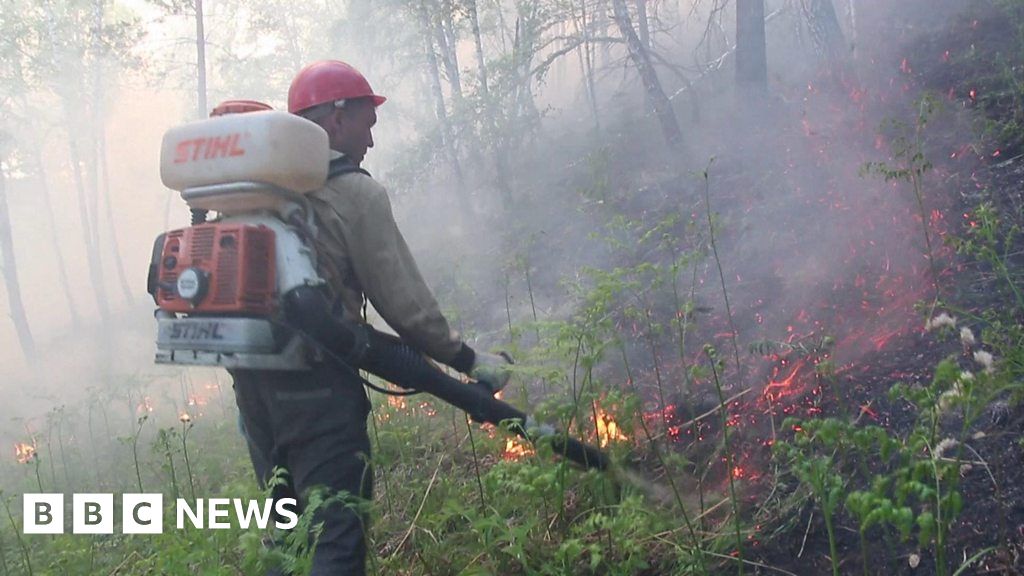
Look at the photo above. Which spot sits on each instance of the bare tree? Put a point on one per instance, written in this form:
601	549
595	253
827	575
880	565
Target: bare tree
447	135
69	87
478	44
643	24
62	271
99	170
828	37
182	8
526	44
751	54
10	270
652	86
202	107
586	59
488	106
447	41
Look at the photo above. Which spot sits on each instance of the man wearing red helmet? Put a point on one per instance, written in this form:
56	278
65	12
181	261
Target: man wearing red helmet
314	424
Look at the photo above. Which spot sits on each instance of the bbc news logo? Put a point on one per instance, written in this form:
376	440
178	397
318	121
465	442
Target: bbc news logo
144	513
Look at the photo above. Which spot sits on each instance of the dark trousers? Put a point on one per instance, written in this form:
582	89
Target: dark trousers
314	425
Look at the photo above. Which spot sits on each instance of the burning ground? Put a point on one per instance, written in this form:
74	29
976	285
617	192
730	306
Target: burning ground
796	272
729	323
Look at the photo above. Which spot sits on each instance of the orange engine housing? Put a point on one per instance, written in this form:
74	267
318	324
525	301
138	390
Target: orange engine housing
234	263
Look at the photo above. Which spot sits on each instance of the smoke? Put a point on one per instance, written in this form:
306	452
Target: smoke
808	246
813	248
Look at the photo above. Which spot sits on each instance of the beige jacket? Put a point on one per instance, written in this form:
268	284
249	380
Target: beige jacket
361	251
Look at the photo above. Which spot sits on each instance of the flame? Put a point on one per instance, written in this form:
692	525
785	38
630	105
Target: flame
607	429
777	389
24	453
146	406
515	449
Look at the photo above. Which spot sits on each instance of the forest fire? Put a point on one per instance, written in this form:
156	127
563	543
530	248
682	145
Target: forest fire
731	313
780	387
24	453
516	448
607	429
145	407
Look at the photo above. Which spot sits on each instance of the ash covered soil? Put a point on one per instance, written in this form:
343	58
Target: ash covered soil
810	207
966	63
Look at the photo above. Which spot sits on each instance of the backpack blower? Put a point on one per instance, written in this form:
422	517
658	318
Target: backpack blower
242	291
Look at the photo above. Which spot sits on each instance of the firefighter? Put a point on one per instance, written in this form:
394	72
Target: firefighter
314	423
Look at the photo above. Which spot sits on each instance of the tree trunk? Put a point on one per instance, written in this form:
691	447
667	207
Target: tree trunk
586	58
828	37
62	271
751	54
853	29
821	16
490	122
91	249
202	108
642	60
447	42
10	272
115	245
474	20
100	172
92	153
522	57
506	31
447	139
601	24
643	24
68	97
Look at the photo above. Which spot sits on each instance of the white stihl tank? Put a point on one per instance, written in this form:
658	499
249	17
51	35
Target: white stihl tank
271	147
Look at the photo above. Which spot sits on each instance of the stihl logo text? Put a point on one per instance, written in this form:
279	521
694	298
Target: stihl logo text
204	331
208	148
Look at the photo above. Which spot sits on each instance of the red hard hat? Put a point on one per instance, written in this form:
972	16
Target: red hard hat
238	107
328	81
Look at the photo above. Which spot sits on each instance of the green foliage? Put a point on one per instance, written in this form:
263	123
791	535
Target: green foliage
989	239
992	70
910	164
807	347
907	483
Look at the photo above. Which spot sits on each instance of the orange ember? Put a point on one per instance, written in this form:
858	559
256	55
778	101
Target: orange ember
515	449
607	429
24	453
777	389
145	406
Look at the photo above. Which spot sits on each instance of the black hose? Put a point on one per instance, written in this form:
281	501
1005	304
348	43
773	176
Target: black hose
391	359
358	345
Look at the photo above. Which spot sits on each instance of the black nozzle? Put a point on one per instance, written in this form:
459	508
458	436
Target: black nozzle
393	360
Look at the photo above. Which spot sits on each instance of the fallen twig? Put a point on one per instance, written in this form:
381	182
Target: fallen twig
426	494
706	414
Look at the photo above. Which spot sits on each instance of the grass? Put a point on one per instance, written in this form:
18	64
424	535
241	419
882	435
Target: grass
450	500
